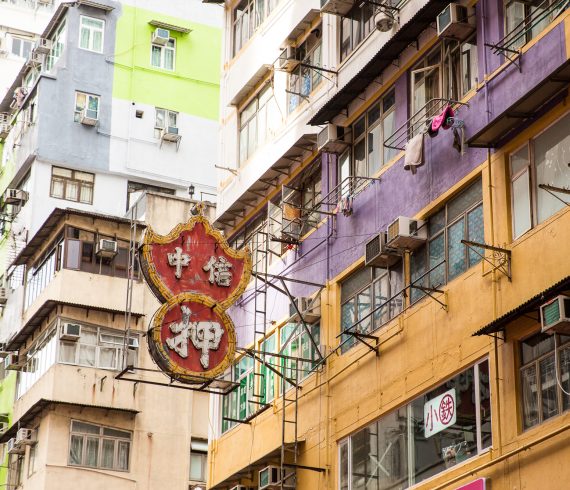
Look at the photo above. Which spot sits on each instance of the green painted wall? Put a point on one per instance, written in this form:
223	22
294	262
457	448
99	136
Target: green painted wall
194	85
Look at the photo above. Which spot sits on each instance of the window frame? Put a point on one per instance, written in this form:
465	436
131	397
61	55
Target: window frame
253	21
296	86
92	30
23	43
58	40
203	459
85	108
163	50
81	184
100	438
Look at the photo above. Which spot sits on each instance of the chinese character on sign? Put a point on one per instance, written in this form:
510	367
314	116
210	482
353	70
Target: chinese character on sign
178	260
205	336
439	413
219	269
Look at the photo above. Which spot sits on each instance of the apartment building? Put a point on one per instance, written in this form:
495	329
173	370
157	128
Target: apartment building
400	171
116	100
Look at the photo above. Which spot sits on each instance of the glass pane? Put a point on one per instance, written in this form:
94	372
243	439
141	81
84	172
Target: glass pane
108	358
548	388
87	355
98	41
436	256
552	155
464	201
374	142
521	205
92	452
107	431
71	189
169	59
347	319
565	377
437	222
196	465
123	456
85	428
485	409
84	39
456	250
475	233
76	450
388	128
515	16
536	346
360	159
364	302
343	457
355	283
67	352
108	453
155	56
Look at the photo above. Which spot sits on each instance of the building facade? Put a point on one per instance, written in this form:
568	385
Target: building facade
116	100
400	172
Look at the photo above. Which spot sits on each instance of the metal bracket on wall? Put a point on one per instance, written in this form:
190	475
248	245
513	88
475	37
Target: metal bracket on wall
362	338
430	292
552	189
501	256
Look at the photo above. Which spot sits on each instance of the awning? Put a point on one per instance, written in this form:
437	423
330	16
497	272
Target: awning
406	35
36	409
273	457
53	220
45	311
251	84
97	5
170	27
526	109
530	305
301	26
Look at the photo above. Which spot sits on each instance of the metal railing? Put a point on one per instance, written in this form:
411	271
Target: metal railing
417	123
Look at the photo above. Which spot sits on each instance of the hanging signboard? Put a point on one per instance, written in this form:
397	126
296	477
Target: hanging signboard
197	276
439	413
479	484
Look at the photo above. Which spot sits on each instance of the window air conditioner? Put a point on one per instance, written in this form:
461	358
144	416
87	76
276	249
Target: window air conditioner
406	233
15	196
170	133
197	486
13	448
310	308
4	117
454	22
12	362
88	117
288	59
133	343
107	248
331	139
336	7
270	478
43	45
160	36
70	331
35	58
3	296
555	315
377	254
25	436
4	130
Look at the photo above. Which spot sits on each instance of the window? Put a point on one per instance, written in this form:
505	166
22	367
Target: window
236	405
299	346
544	377
58	42
32	460
99	447
163	56
164	119
42	272
460	219
543	160
258	121
15	470
86	105
527	20
397	451
41	356
370	131
303	79
21	47
91	32
449	72
72	185
198	459
367	290
355	27
247	17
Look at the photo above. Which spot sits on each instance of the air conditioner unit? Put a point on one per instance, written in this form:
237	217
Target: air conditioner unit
377	254
310	308
337	7
555	315
35	58
133	343
4	117
70	331
4	130
160	36
406	233
331	139
270	478
43	45
3	427
106	248
25	436
288	59
454	22
170	134
3	296
13	448
12	362
15	196
197	486
88	117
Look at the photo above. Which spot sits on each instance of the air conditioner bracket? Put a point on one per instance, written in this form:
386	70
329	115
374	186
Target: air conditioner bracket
430	292
364	338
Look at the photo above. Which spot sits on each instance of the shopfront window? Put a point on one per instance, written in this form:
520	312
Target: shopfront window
406	447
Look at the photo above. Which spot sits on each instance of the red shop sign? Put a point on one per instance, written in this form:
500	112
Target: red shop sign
479	484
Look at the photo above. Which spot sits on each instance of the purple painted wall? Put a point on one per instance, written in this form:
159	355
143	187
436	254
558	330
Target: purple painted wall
337	244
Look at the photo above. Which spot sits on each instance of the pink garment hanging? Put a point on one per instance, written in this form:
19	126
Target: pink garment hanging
441	120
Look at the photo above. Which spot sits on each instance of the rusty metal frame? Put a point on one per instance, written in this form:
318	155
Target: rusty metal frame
502	255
